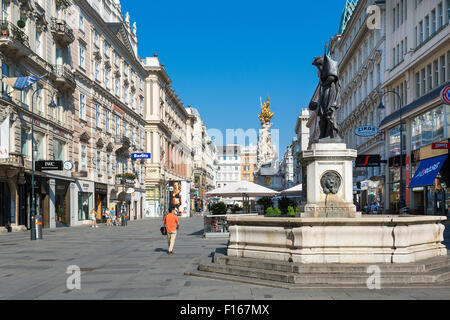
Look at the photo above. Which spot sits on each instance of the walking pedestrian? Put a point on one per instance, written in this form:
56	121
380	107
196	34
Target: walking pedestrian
94	218
108	218
172	225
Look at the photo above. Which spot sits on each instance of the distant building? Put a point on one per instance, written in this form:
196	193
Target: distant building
229	165
248	163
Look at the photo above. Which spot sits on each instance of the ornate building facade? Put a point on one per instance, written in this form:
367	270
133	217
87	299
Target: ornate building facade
360	52
169	136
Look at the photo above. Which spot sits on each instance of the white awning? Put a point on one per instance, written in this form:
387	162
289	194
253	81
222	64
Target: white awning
243	188
297	190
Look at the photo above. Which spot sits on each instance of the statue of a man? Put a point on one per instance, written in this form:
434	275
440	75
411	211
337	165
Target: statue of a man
328	97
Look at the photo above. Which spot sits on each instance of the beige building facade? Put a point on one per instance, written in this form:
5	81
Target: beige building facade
169	138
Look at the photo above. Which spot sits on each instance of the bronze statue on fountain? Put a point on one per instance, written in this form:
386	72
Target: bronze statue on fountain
329	97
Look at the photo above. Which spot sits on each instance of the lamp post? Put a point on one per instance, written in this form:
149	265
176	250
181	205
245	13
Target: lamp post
402	203
34	223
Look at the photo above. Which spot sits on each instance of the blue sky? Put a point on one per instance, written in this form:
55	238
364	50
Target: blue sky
222	56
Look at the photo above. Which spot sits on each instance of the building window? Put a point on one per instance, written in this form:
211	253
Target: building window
39	138
424	81
430	77
420	32
107	73
107	127
443	71
83	158
96	37
108	165
116	86
440	16
436	73
97	70
82	57
117	126
433	21
99	167
448	11
97	115
81	22
427	27
58	150
24	142
82	106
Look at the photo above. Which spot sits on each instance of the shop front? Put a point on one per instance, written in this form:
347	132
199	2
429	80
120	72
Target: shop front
101	200
431	188
429	163
62	203
85	200
397	165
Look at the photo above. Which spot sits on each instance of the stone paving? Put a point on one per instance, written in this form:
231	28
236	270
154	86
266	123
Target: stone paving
131	263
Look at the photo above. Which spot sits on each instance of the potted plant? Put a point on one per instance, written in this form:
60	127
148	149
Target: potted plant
21	24
5	30
235	209
291	212
219	208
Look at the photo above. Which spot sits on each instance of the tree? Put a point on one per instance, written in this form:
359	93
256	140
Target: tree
284	203
266	203
218	208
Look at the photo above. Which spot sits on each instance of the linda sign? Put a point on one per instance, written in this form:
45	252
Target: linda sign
367	131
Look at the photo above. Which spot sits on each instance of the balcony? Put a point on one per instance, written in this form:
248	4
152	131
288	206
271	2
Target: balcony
64	78
15	160
14	42
62	32
123	143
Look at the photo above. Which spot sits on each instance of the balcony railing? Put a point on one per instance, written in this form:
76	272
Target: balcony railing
62	32
11	32
64	76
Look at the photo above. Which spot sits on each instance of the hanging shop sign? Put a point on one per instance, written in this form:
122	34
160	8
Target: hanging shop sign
367	131
445	94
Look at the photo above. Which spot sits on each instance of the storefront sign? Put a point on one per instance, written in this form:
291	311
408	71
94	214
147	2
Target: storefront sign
101	189
49	165
427	172
441	146
367	131
368	161
428	152
445	94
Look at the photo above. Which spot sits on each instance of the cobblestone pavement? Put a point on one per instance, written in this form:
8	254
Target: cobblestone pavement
132	263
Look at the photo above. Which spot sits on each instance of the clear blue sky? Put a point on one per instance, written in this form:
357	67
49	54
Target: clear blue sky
223	55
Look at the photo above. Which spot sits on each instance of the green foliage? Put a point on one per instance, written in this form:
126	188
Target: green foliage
291	212
5	25
284	203
236	208
277	212
270	211
21	24
297	210
266	202
218	208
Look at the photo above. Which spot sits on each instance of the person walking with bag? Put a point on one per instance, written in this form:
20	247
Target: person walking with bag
172	225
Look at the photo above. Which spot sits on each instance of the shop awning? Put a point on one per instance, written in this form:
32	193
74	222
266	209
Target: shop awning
427	172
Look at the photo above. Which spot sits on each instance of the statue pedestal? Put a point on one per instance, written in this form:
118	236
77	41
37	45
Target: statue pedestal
329	181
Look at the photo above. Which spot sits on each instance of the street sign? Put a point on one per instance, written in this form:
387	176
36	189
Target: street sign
367	131
368	161
135	156
49	165
445	94
441	146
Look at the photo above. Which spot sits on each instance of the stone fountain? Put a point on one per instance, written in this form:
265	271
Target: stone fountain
330	242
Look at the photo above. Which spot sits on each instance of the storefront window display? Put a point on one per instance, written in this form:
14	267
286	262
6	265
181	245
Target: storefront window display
84	205
394	141
428	128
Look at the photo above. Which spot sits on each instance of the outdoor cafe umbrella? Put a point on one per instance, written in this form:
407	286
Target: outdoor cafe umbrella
243	189
295	191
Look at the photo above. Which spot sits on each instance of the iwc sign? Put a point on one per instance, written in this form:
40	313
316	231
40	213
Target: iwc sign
331	182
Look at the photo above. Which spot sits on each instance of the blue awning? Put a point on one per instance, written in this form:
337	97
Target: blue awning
427	172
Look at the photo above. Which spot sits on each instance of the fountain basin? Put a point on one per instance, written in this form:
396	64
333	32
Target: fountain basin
366	239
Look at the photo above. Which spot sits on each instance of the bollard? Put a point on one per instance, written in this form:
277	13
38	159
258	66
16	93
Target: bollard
38	226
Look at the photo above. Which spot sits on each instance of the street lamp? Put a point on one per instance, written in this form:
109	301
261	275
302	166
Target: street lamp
34	222
402	203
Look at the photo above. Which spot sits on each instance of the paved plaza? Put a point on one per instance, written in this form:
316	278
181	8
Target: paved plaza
131	263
